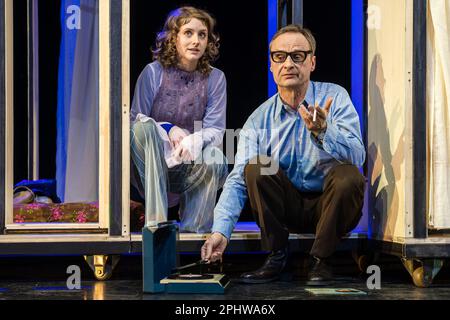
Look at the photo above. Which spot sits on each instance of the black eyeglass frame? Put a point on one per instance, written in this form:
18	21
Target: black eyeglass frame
290	54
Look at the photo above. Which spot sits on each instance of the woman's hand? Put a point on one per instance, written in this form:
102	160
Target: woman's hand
190	148
176	135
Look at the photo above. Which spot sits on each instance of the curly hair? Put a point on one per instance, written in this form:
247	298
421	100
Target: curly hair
165	50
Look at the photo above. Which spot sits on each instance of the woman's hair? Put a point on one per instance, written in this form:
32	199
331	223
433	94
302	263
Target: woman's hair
165	50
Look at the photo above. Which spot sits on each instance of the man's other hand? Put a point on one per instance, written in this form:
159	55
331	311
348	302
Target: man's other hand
214	246
318	124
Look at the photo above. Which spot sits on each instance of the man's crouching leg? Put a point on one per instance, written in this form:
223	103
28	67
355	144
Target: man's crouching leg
266	192
338	213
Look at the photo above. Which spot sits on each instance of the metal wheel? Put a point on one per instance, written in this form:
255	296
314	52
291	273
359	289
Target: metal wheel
363	263
102	265
422	278
363	260
423	271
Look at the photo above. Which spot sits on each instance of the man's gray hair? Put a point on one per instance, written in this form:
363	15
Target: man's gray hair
295	28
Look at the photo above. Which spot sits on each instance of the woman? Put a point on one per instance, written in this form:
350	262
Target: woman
178	119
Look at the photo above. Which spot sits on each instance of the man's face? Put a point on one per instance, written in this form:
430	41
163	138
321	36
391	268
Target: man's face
289	74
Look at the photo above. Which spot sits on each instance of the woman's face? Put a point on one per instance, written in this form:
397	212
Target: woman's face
192	40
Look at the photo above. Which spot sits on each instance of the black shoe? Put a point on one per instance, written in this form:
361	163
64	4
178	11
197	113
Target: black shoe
320	274
271	269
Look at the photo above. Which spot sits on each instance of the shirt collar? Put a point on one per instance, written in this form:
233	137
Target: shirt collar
281	107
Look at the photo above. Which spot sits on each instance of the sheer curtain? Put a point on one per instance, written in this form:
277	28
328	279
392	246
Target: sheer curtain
77	115
438	107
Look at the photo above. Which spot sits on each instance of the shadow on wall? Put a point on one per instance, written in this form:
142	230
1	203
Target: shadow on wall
383	195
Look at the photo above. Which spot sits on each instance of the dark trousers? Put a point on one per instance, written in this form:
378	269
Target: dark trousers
280	208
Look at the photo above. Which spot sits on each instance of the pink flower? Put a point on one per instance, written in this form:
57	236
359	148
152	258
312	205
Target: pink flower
19	219
82	217
33	206
57	214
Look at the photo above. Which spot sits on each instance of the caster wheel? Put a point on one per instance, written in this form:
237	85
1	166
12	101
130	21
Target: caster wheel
103	274
363	261
102	265
421	278
423	271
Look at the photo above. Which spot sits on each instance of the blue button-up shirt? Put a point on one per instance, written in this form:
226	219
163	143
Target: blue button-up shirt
278	131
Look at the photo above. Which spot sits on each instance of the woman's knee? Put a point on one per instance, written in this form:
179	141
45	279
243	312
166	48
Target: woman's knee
142	131
215	162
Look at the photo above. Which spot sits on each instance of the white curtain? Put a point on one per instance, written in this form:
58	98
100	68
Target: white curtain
438	112
77	144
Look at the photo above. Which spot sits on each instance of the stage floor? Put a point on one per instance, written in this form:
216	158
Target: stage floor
44	278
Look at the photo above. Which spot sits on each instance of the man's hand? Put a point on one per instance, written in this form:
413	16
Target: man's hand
214	246
320	123
176	135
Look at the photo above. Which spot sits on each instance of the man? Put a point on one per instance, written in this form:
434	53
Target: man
310	130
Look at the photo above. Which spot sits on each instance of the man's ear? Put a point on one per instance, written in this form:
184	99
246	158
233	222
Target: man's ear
313	63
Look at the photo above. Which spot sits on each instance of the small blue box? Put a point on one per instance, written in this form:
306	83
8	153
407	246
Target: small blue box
159	255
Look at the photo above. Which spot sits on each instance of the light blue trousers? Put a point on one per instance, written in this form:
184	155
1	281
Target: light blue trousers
197	183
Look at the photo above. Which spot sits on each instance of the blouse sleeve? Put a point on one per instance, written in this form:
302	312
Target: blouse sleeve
147	86
214	120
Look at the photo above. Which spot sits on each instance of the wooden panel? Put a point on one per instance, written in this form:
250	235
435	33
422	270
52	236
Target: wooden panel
50	226
115	220
389	118
9	89
126	117
104	113
2	117
419	116
33	90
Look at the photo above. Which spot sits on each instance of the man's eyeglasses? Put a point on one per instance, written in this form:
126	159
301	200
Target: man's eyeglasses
296	56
